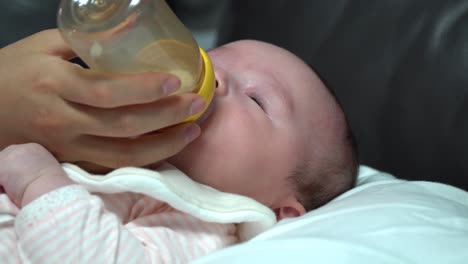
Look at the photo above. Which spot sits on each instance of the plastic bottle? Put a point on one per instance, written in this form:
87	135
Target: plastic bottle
132	36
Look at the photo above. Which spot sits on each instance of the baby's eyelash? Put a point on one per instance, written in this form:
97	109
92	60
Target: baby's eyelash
256	100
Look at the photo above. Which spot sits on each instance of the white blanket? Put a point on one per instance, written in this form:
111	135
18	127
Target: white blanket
383	220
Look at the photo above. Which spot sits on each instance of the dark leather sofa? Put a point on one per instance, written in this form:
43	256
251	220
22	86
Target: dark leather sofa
399	68
21	18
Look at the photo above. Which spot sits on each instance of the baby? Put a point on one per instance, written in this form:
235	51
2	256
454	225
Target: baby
274	133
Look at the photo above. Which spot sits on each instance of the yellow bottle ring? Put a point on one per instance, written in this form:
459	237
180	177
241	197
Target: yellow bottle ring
207	85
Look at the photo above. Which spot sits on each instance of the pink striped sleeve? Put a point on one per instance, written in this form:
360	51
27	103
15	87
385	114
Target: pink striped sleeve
70	225
8	211
181	237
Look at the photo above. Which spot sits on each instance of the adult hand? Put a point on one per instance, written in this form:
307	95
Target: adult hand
84	116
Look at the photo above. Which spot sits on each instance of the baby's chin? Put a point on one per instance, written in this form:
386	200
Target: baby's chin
200	151
177	160
195	150
193	158
184	160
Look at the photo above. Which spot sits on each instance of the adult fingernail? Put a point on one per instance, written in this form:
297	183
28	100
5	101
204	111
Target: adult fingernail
197	106
171	85
191	133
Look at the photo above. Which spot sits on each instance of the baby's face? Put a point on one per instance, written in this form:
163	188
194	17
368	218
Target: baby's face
259	123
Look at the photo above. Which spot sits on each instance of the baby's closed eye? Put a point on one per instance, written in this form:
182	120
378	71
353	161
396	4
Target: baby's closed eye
257	100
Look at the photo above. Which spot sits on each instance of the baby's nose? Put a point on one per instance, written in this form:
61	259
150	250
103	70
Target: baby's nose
221	87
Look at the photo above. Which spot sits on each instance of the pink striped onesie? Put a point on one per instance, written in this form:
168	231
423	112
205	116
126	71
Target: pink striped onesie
74	225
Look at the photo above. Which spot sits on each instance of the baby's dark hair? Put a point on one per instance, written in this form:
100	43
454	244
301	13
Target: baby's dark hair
318	181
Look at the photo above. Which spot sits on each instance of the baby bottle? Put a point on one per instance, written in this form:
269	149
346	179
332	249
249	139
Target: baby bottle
132	36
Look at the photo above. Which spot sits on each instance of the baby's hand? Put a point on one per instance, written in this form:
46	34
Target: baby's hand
21	165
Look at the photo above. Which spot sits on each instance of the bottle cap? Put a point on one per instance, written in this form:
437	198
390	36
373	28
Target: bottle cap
207	84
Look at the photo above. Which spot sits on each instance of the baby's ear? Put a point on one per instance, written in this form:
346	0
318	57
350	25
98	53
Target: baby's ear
289	208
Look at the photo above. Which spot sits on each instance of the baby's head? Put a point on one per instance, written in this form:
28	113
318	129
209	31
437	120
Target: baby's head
274	132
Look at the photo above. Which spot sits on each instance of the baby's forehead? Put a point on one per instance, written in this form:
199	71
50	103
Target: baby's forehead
289	72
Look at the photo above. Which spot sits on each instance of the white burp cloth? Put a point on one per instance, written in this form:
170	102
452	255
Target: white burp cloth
173	187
